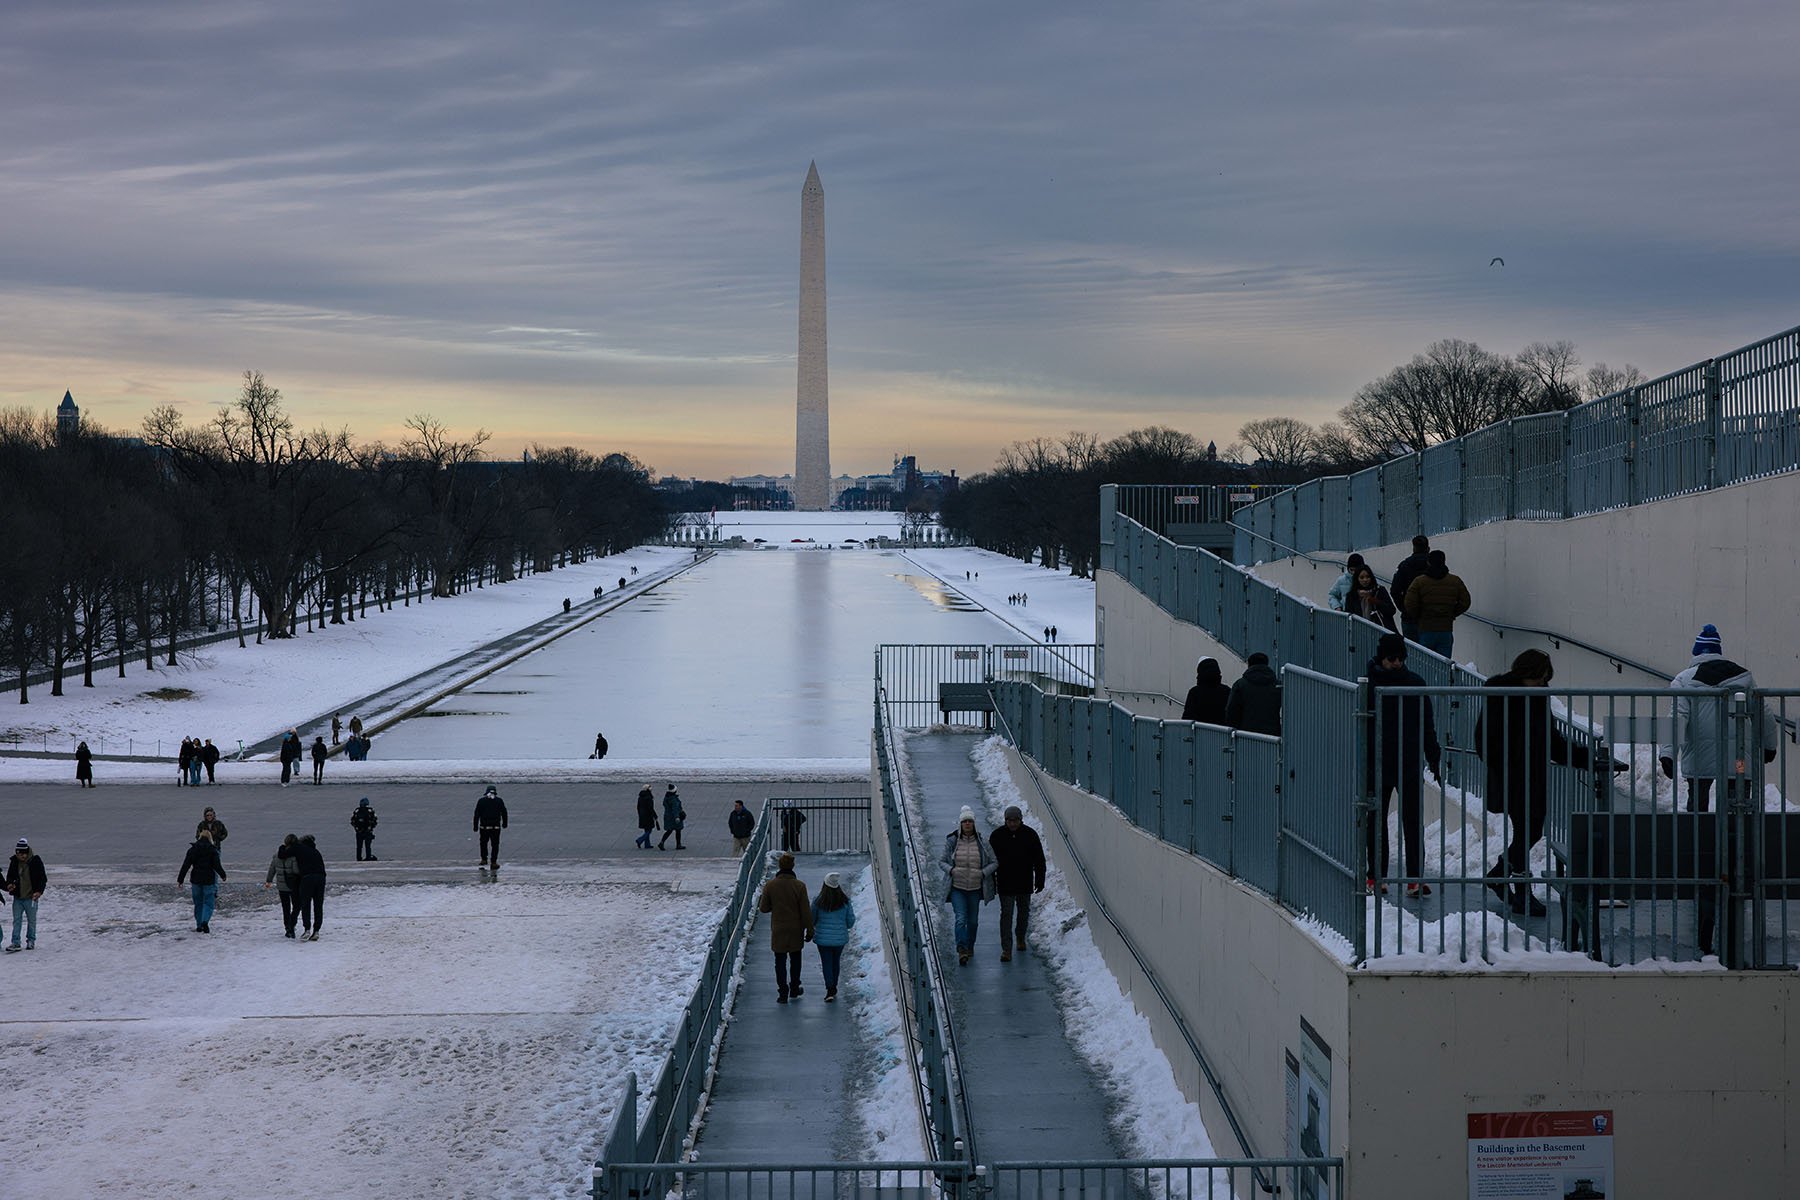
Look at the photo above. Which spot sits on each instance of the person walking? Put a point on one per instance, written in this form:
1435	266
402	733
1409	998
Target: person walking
284	876
183	757
1434	600
1340	591
1207	698
674	819
337	727
1410	568
202	862
969	863
290	754
84	766
194	764
646	813
318	760
600	746
1254	705
312	884
1018	872
363	821
1409	745
209	758
25	883
832	915
355	726
791	821
790	926
1370	601
742	823
214	828
490	819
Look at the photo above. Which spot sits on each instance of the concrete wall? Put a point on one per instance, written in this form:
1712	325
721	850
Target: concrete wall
1147	651
1241	972
1640	581
1699	1069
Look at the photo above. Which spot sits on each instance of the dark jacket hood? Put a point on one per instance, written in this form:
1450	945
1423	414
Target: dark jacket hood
1381	676
1208	672
1261	674
1437	570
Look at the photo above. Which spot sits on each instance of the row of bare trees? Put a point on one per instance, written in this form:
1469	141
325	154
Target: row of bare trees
125	545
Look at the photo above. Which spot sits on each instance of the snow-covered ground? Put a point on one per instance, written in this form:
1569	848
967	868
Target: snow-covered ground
438	1040
1050	597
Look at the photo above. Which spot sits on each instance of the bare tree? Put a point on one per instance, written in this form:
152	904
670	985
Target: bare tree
1603	380
1550	369
1453	388
1282	444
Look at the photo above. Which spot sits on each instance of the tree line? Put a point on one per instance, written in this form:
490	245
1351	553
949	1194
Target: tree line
1041	499
124	545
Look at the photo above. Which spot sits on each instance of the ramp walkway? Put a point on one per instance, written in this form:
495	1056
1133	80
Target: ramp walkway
1031	1097
788	1074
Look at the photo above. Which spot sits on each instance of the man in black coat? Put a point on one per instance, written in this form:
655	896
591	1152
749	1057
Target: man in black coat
1255	702
1206	699
312	884
742	823
1410	568
490	819
25	883
202	861
646	814
1018	872
290	754
363	821
791	821
209	758
1408	744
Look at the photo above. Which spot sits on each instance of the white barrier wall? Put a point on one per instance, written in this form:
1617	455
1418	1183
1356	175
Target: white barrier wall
1145	651
1241	972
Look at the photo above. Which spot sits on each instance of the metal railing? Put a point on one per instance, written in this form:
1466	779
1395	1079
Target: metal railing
908	676
913	957
832	825
1198	1179
1718	422
1177	509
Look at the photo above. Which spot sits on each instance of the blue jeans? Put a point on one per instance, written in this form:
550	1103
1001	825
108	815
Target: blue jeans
967	906
25	913
1437	643
206	895
830	958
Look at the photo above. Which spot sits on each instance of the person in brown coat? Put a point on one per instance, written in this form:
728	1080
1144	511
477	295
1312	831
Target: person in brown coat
784	898
1435	599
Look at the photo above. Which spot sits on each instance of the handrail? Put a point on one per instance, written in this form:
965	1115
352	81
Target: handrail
1181	1025
1618	661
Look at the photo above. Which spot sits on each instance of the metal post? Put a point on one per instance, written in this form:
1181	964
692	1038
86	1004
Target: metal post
1462	483
1512	470
1741	811
1634	484
1367	727
1715	423
1568	463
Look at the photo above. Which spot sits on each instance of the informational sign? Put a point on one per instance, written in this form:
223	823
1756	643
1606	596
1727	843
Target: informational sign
1010	652
1187	499
962	655
1541	1155
1315	1111
1243	497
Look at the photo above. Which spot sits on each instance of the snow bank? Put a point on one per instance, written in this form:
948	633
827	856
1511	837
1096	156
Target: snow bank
887	1107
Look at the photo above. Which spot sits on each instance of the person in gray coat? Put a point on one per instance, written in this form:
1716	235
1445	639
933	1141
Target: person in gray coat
1696	723
284	876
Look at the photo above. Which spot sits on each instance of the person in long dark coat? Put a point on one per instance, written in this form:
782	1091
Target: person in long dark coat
318	758
674	819
791	821
312	883
84	765
1206	699
784	898
184	756
290	754
1255	702
1409	746
646	813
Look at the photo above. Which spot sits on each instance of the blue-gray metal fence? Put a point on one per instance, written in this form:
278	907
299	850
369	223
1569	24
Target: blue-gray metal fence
1717	422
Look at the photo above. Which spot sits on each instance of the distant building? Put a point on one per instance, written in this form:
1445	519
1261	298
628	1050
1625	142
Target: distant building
68	418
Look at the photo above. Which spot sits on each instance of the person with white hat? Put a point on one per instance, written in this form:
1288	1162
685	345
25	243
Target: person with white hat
833	915
25	881
969	862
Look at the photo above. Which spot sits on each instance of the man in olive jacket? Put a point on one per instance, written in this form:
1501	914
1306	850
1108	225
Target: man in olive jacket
1434	600
784	898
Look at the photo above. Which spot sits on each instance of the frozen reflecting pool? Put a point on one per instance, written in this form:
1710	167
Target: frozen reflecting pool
752	654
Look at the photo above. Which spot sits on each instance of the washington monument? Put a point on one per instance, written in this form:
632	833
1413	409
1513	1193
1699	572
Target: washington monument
812	452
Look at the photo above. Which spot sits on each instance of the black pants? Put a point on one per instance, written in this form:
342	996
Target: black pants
1412	789
209	772
1526	813
665	837
490	847
1706	899
787	966
287	769
365	846
290	910
319	772
312	898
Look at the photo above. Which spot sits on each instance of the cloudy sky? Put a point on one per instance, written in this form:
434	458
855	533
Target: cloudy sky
579	222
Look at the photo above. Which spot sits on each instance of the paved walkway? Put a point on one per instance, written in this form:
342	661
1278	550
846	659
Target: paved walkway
789	1073
1031	1097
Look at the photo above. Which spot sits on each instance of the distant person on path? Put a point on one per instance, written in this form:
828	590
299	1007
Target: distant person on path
318	756
363	821
209	758
183	757
1340	591
490	819
1370	601
1255	702
284	876
646	813
1206	699
791	821
1696	721
621	583
674	819
1409	745
832	915
312	884
969	862
203	863
565	604
1018	872
84	766
355	726
790	926
1434	600
290	754
600	747
213	828
1410	568
25	882
337	727
742	823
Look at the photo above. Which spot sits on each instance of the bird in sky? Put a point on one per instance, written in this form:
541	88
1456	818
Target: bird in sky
1496	262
